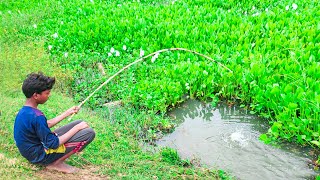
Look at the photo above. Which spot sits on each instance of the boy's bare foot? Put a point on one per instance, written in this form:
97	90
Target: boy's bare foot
62	167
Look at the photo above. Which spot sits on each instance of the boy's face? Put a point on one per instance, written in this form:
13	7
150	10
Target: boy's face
42	97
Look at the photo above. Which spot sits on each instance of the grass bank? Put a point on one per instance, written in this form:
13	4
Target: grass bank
272	47
115	153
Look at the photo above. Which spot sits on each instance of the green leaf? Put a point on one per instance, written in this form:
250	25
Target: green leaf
263	137
317	143
318	98
275	90
292	106
288	88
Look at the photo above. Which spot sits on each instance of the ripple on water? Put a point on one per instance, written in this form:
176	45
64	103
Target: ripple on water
227	138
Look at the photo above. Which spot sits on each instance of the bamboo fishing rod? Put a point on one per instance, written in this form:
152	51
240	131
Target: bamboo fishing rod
141	59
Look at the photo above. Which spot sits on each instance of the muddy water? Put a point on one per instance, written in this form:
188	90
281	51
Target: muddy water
227	138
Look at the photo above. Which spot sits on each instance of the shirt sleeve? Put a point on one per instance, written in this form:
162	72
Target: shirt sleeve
48	139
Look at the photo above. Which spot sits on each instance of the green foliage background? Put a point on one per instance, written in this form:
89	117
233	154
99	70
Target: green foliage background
273	50
116	152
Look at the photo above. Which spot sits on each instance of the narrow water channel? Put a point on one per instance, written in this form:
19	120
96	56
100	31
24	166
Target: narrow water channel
228	138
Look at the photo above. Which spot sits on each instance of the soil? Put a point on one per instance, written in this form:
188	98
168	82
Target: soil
84	173
88	171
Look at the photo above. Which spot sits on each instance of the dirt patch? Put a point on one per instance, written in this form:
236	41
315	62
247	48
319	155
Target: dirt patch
8	161
1	156
83	173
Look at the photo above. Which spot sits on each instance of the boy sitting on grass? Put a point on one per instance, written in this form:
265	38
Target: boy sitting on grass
32	134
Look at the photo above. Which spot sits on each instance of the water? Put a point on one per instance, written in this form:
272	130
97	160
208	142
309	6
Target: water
227	138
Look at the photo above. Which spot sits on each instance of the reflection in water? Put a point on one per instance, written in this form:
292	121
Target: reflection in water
227	138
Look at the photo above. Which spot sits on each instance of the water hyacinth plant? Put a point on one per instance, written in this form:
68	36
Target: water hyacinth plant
272	47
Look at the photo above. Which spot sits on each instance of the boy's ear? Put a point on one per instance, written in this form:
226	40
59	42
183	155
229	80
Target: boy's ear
35	95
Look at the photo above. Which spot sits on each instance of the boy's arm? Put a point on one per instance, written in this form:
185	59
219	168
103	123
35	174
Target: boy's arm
64	138
62	116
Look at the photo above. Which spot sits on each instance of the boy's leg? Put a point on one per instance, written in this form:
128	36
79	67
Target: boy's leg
61	166
80	140
75	144
62	130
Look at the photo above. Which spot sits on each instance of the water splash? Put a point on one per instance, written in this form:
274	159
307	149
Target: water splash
227	138
238	137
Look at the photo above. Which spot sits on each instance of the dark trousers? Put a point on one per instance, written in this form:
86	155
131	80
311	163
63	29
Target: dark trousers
76	143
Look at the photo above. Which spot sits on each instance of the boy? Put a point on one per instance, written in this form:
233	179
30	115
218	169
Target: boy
32	134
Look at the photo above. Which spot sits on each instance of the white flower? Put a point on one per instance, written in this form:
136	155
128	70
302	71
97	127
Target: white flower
253	8
253	44
141	52
109	54
117	53
66	54
55	35
294	6
229	10
256	14
50	47
112	50
154	57
9	12
287	7
35	26
124	47
267	9
92	1
187	86
61	22
205	72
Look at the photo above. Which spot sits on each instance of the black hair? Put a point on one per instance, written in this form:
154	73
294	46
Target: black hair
37	83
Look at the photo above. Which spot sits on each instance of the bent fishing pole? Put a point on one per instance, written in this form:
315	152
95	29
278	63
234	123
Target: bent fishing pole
155	56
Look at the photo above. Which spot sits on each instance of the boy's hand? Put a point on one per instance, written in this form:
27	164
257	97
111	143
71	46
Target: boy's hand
73	110
81	125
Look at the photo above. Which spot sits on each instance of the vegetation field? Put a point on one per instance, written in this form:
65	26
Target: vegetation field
271	47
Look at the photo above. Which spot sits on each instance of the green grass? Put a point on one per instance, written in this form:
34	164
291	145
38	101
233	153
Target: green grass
115	149
115	152
273	53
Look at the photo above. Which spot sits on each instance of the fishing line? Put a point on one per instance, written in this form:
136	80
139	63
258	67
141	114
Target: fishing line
155	54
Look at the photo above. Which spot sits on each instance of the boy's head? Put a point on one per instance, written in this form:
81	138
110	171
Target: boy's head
37	83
